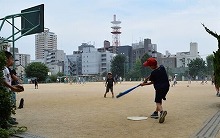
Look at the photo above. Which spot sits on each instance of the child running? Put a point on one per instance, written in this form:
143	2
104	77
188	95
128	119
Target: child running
159	79
109	84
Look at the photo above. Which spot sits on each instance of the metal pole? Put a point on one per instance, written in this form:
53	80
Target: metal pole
124	70
13	40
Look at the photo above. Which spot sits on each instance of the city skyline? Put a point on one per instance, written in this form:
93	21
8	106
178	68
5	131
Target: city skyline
171	24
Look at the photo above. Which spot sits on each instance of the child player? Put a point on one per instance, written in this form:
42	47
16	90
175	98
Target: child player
109	84
159	79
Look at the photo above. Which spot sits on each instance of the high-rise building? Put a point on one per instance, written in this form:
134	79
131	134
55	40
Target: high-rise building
44	41
20	59
106	44
54	60
90	61
184	58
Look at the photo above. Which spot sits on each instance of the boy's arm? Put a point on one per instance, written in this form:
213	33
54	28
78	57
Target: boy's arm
106	82
15	78
146	79
15	89
147	83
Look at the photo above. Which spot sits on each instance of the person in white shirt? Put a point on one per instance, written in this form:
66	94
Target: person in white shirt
6	74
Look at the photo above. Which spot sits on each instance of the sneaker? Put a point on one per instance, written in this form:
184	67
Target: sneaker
162	116
217	93
12	122
154	115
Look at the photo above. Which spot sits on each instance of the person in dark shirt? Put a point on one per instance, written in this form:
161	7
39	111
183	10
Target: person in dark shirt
109	84
15	81
36	84
159	79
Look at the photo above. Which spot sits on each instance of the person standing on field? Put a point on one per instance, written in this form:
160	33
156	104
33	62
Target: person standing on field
109	84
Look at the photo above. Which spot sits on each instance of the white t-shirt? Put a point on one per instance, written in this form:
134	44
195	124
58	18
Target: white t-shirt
7	75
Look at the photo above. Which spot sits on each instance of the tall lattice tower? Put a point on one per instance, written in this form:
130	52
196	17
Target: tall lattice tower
116	32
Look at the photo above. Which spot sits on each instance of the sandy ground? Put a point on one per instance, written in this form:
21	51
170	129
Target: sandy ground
80	111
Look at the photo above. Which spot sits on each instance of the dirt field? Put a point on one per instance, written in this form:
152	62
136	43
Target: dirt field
80	111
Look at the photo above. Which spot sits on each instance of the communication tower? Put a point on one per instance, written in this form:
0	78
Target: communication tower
116	32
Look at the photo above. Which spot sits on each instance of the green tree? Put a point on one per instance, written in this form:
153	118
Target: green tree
118	65
6	105
145	71
5	97
210	66
53	78
216	58
60	74
104	74
216	61
135	72
138	68
139	71
197	67
38	70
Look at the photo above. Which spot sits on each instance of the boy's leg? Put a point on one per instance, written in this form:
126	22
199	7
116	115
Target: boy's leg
107	90
13	97
105	94
154	115
217	90
159	107
162	116
112	92
158	99
112	95
162	113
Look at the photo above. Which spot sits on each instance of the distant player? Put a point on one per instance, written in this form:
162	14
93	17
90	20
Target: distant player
159	79
109	84
36	84
174	80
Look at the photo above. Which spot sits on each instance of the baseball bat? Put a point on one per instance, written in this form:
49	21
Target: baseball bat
127	91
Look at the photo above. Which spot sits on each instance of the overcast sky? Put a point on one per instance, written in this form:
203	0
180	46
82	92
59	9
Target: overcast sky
171	24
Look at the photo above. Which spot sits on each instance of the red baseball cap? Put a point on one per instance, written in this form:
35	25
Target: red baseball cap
150	62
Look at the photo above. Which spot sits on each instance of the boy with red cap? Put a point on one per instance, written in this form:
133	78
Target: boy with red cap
159	79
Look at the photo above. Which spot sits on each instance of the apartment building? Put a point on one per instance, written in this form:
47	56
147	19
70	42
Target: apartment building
44	41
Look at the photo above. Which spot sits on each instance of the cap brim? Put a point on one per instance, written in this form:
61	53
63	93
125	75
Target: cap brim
146	64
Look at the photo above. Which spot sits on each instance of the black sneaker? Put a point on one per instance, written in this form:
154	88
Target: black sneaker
162	116
12	122
154	115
